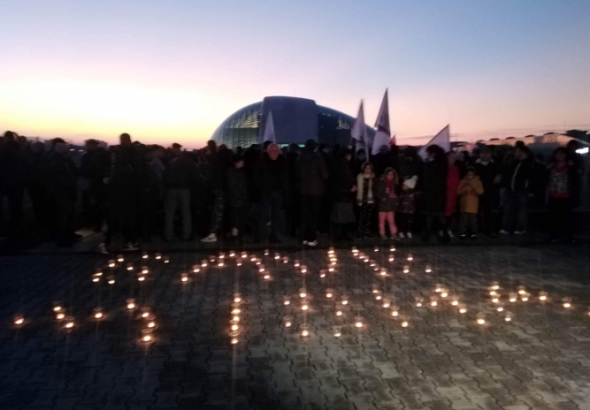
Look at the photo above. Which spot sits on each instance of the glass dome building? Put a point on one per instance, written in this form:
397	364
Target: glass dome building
295	120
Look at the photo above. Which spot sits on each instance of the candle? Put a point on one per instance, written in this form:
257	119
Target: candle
394	311
428	269
144	255
120	258
234	337
111	280
288	321
286	300
567	303
358	322
329	293
147	336
184	278
337	331
383	272
304	305
144	270
129	267
131	304
57	307
112	264
234	325
419	301
158	256
302	293
462	308
69	323
322	273
304	330
406	269
344	299
481	319
386	303
237	298
495	285
196	268
508	317
60	316
543	296
512	297
98	314
19	320
410	257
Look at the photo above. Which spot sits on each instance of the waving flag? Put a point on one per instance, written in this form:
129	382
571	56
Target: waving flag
383	134
359	130
269	130
442	139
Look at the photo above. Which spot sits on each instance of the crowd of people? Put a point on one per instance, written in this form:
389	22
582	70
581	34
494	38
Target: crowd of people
264	192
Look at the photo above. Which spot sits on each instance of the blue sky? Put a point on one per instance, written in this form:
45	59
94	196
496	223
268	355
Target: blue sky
174	70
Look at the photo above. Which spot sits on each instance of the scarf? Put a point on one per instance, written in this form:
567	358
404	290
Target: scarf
360	182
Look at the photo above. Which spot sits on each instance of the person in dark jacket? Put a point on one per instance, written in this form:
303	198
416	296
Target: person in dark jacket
560	196
387	202
272	180
62	174
13	180
88	197
517	183
237	192
178	179
342	189
434	187
214	175
313	174
292	214
487	170
408	179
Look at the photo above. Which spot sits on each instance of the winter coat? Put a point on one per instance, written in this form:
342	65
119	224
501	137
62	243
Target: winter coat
518	176
386	202
487	174
342	181
13	166
363	184
62	177
237	187
470	190
452	184
434	186
180	174
265	173
312	172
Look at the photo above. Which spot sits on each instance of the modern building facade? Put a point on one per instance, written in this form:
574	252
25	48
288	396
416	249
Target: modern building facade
295	120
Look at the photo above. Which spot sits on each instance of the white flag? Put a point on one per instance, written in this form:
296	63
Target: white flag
442	139
269	130
359	130
383	134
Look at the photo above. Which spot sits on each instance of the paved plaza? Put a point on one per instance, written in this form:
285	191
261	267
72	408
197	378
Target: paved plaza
425	357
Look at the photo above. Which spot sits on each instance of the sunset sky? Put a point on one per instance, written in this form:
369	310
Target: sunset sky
173	70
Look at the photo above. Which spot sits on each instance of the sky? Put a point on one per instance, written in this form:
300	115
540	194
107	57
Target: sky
172	71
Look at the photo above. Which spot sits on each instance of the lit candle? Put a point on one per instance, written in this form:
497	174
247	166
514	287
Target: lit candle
147	336
521	290
434	301
496	300
204	263
266	252
322	273
438	288
481	319
234	337
296	263
495	285
406	269
144	270
455	301
344	299
158	256
383	272
285	259
95	278
338	312
304	330
19	320
60	316
237	298
234	325
57	307
140	278
304	305
392	249
166	259
288	321
329	293
239	262
286	300
410	257
302	293
111	280
232	254
151	322
386	303
221	255
428	269
145	255
244	255
112	264
337	331
500	308
419	301
358	322
378	295
267	277
493	293
444	293
69	322
220	264
303	269
261	268
391	259
277	256
196	268
462	308
512	297
543	296
567	303
120	258
524	296
394	311
98	314
145	312
405	323
331	269
131	304
129	267
508	317
98	272
184	278
372	264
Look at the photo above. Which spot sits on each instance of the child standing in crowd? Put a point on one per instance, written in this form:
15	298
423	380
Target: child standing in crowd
407	194
364	197
387	203
559	196
238	197
470	188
